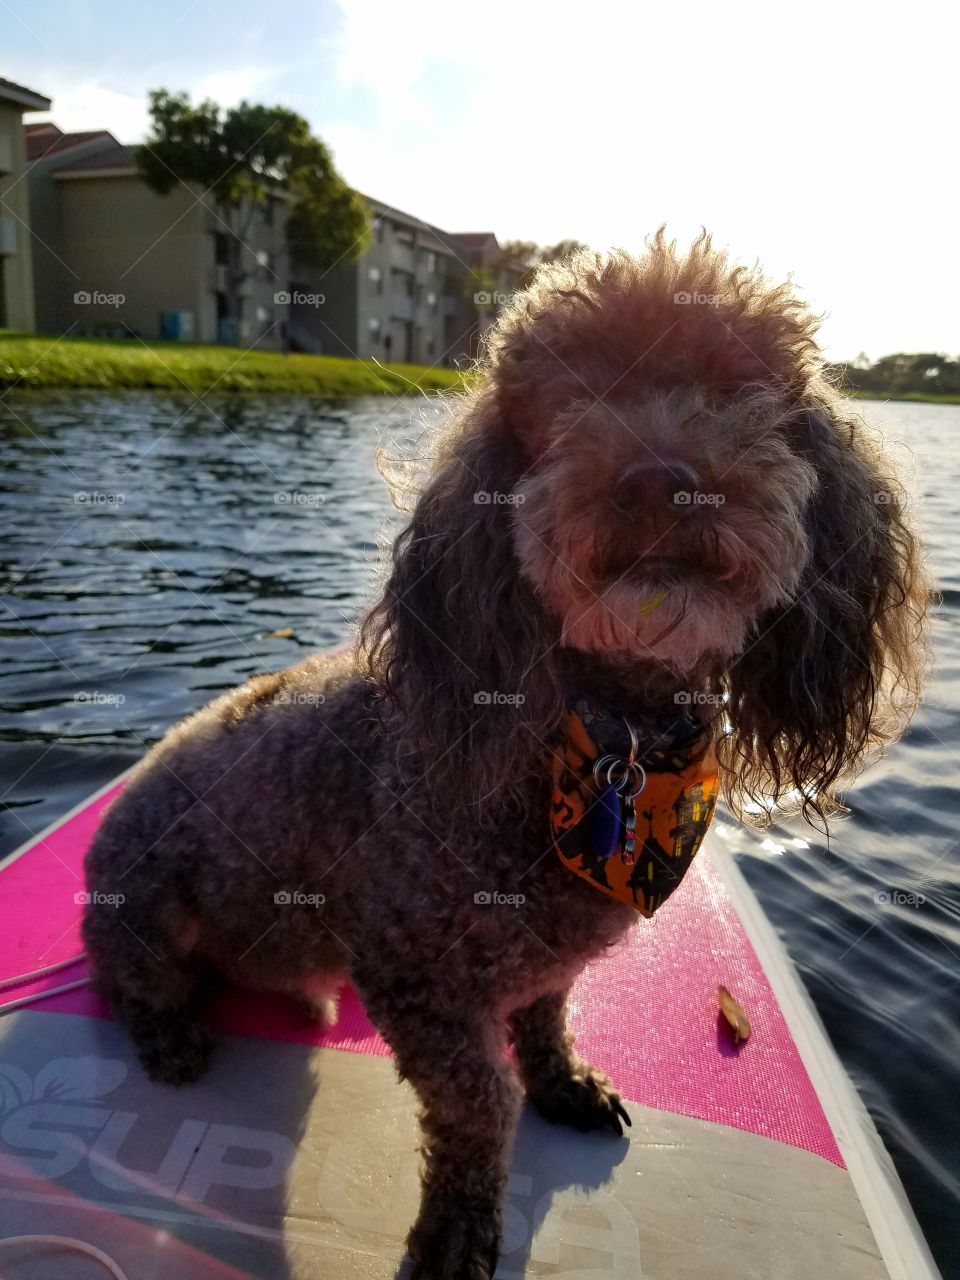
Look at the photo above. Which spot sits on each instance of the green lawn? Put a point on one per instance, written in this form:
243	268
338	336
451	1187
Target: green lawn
29	361
917	396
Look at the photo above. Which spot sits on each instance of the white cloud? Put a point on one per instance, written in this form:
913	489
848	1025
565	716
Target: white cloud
78	107
230	87
818	142
91	105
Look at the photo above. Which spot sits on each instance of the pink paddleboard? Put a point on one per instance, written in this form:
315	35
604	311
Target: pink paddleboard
296	1156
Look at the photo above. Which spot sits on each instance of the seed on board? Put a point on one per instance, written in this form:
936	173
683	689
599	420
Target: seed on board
734	1014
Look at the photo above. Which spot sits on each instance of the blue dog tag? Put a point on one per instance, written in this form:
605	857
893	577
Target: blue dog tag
606	822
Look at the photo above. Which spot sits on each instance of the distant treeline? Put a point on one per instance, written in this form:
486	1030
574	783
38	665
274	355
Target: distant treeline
912	376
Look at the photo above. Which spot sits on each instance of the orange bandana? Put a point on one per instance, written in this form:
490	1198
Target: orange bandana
591	824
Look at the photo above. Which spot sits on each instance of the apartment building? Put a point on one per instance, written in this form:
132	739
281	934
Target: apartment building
401	300
418	294
114	257
16	268
492	278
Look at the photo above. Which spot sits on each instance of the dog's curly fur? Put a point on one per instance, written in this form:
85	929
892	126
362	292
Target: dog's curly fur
549	552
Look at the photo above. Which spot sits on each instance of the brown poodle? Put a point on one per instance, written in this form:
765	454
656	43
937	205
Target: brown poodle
649	497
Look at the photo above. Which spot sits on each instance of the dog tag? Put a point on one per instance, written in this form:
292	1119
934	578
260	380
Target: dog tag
629	819
606	822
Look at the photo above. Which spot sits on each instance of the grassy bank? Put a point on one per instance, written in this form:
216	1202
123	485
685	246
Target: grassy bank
31	362
916	397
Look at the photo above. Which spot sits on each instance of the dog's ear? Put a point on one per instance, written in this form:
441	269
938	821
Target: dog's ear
459	645
831	677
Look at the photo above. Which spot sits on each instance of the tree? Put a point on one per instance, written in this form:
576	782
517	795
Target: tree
562	249
240	158
529	255
524	253
918	375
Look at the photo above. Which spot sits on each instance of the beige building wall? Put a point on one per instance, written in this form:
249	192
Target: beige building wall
16	290
54	281
133	255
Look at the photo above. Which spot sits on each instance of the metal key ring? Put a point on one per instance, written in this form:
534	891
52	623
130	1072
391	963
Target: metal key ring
633	741
643	781
629	770
624	778
607	761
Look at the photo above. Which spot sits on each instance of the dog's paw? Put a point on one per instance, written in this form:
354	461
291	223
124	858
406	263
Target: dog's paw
176	1058
583	1100
460	1244
319	999
319	1011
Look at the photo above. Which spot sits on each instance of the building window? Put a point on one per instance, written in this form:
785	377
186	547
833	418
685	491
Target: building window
8	244
266	212
374	329
431	264
375	276
431	345
432	302
403	284
378	230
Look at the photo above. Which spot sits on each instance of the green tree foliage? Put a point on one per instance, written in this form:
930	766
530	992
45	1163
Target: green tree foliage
562	249
242	156
529	255
523	253
924	374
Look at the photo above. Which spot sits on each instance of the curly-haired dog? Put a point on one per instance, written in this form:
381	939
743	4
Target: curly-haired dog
649	495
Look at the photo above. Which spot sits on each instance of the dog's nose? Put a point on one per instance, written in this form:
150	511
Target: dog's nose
659	482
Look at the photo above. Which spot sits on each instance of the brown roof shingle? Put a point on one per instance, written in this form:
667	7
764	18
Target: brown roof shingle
112	156
47	139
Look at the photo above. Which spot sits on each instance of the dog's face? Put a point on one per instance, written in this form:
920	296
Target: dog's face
660	528
663	501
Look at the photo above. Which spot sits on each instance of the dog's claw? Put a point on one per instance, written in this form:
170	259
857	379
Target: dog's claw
584	1101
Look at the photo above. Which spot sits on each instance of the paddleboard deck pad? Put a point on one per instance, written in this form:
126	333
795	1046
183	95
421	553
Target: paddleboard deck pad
295	1157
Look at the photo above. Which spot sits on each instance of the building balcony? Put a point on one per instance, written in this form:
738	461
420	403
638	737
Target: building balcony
401	307
402	257
216	278
8	236
213	219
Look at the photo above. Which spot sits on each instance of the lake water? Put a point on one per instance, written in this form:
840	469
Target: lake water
152	549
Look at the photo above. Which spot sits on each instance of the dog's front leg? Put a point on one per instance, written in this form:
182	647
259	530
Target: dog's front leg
562	1087
469	1111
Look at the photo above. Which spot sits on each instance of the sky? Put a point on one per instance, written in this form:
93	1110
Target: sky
819	139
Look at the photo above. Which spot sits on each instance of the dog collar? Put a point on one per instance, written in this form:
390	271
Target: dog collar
629	809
